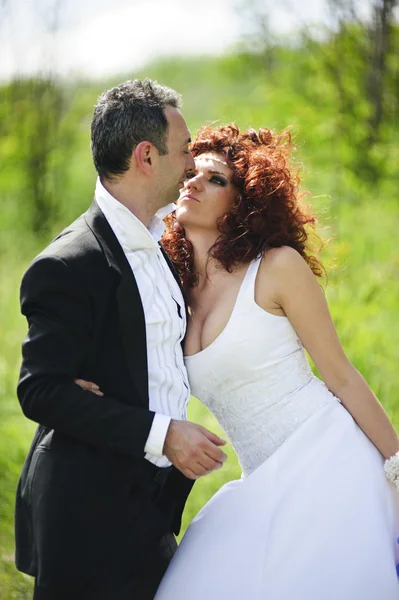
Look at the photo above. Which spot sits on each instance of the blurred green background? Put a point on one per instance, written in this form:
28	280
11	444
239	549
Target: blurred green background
336	86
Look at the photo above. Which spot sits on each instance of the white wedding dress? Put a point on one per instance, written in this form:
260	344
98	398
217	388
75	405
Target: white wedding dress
313	517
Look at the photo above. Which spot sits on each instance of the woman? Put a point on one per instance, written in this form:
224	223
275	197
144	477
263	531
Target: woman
313	516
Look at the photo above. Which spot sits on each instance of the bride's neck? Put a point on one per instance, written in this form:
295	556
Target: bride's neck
202	243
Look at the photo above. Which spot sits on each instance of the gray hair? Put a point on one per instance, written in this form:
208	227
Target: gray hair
126	115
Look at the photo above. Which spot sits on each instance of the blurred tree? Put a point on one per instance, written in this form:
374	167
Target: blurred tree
260	38
35	135
359	57
39	106
382	44
350	61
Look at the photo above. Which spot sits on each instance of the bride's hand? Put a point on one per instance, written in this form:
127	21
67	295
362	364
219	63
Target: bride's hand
89	386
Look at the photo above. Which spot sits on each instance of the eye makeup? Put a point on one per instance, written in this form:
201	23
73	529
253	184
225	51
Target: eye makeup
219	180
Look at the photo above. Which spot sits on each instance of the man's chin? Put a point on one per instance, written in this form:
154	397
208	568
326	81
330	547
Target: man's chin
175	197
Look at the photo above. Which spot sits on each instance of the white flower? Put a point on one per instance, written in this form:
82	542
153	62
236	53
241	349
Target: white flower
391	469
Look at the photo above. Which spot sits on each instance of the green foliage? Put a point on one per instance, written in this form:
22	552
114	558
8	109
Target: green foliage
363	218
15	431
37	135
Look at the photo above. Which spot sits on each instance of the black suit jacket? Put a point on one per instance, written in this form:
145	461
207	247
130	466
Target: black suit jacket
82	497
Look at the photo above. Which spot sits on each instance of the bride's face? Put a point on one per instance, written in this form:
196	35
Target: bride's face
207	193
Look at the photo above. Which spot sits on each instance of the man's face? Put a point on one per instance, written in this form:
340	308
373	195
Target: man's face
174	165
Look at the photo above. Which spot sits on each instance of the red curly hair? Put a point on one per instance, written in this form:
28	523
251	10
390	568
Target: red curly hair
268	211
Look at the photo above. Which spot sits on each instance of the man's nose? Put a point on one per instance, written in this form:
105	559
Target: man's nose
190	166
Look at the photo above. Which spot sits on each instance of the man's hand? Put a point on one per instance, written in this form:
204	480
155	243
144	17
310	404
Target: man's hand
190	448
193	449
88	386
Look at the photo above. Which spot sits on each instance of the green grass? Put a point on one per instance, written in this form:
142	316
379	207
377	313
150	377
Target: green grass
15	431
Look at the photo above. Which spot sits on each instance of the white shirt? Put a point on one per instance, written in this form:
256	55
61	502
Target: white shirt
165	316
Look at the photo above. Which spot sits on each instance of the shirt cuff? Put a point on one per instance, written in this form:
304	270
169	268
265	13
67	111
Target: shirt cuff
157	435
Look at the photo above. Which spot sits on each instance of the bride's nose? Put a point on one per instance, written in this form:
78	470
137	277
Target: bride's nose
194	182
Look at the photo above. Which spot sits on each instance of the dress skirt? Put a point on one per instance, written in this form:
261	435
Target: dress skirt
316	521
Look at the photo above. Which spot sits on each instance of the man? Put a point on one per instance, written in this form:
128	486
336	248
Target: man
98	498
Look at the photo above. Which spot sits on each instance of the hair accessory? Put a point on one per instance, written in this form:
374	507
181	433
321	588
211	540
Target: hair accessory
212	157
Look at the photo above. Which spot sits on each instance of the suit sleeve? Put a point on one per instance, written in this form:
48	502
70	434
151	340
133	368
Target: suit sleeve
57	307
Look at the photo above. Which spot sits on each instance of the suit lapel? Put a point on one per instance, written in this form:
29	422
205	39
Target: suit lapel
130	308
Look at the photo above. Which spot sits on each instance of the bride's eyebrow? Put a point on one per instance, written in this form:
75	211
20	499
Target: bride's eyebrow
218	173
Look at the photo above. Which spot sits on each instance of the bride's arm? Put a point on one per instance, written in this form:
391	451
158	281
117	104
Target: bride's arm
298	293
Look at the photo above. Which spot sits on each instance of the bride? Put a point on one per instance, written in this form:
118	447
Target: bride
313	516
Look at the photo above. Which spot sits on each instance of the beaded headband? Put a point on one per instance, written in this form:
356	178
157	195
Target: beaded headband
210	157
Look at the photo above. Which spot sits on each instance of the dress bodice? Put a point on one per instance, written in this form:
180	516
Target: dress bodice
255	378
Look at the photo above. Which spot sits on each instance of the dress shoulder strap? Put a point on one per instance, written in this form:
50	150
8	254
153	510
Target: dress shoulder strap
247	291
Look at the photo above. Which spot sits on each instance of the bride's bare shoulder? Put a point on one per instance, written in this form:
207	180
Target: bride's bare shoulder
283	259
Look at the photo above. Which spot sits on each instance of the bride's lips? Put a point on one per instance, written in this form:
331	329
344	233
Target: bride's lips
188	197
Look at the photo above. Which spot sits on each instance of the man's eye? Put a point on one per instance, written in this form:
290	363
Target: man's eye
190	175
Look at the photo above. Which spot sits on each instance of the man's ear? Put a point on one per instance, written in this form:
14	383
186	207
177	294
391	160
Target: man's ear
143	155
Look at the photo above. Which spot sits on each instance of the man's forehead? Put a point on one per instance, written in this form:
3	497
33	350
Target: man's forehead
176	122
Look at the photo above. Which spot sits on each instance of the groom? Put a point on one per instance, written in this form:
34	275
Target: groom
107	475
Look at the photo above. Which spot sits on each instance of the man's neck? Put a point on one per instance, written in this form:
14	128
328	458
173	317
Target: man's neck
136	199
